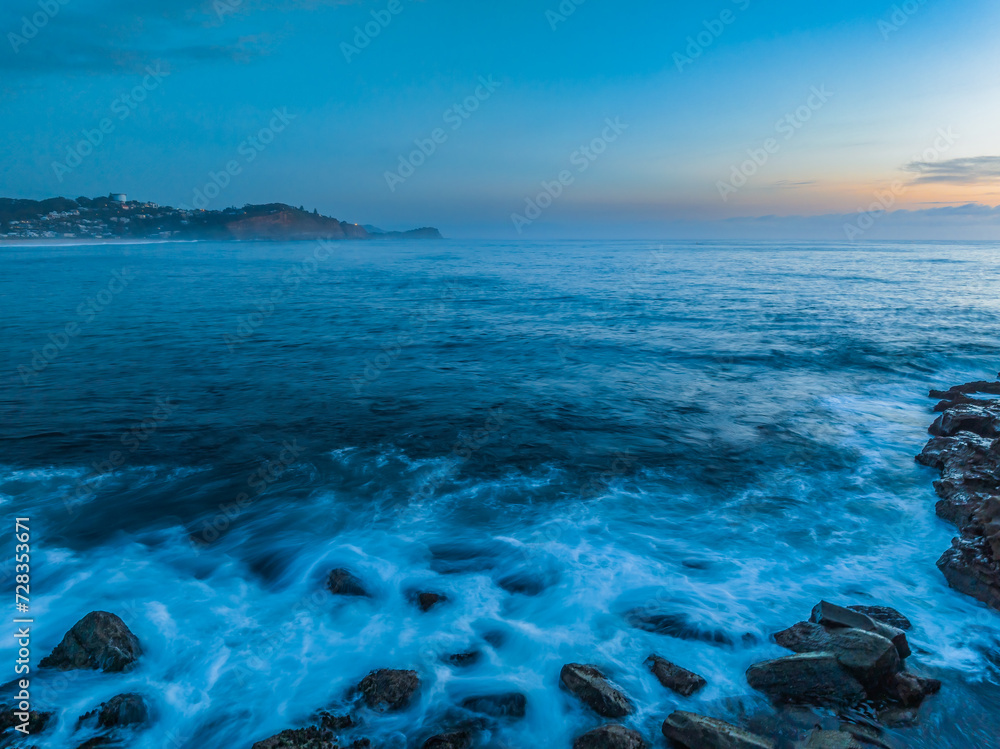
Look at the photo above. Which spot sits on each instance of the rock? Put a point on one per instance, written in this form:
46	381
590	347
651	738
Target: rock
37	720
831	740
831	615
464	660
674	677
123	710
869	657
611	736
981	420
897	637
810	678
594	690
332	722
98	641
386	689
457	740
676	625
898	717
885	615
342	582
427	601
509	705
694	731
300	738
909	690
969	569
969	388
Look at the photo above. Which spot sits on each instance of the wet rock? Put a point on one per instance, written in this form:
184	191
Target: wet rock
867	656
594	690
299	738
676	625
611	736
898	717
831	615
969	388
456	740
508	705
981	420
868	734
810	678
123	710
464	660
831	740
387	689
342	582
98	641
332	722
529	582
909	690
38	720
884	614
427	601
966	452
674	677
693	731
969	568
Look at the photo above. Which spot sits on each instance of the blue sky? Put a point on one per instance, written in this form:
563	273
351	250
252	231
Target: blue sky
735	117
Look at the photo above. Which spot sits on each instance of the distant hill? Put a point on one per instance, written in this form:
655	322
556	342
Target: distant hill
105	218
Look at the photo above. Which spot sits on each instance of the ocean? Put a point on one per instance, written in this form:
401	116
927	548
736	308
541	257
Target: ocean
551	434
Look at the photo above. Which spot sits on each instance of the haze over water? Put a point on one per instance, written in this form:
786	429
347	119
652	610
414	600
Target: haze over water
552	434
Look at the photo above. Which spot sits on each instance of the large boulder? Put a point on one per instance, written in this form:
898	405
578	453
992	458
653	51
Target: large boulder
869	657
342	582
308	738
673	677
507	705
98	641
810	678
594	690
123	710
694	731
612	736
387	689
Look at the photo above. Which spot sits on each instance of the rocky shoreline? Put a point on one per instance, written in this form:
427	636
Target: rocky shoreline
845	680
965	448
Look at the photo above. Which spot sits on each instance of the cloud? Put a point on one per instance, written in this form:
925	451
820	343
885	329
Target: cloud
968	171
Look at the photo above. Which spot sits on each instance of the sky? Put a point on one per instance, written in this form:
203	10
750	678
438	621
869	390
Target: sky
857	120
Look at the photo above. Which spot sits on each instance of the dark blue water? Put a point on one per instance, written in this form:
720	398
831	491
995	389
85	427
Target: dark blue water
551	434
